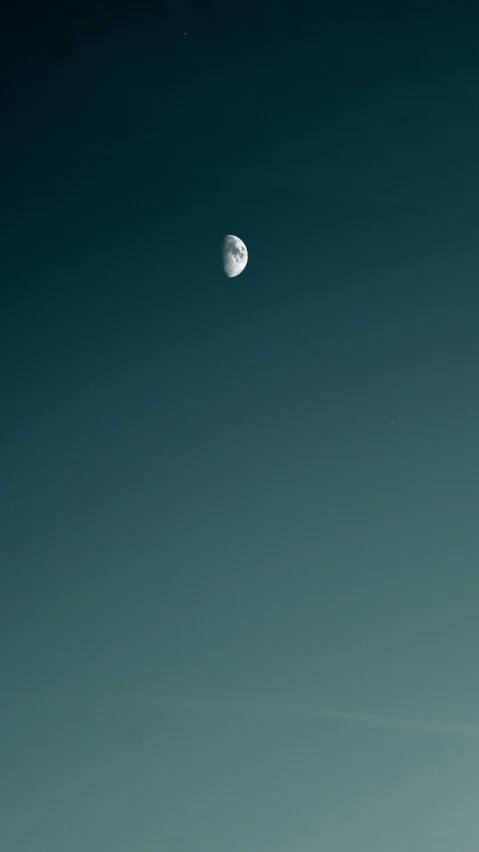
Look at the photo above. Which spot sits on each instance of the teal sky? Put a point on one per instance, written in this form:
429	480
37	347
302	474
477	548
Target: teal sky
226	503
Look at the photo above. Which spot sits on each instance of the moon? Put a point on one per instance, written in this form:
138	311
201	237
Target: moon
235	255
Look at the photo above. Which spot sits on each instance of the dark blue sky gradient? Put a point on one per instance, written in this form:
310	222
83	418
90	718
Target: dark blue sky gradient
225	502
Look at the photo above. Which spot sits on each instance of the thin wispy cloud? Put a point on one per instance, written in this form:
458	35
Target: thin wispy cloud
206	703
427	726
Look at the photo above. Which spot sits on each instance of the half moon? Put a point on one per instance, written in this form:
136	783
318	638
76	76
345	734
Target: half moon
235	255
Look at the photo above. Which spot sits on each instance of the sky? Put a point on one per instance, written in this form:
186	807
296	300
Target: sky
238	517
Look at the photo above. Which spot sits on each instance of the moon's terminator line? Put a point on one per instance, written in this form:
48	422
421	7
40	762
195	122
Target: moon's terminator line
235	255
